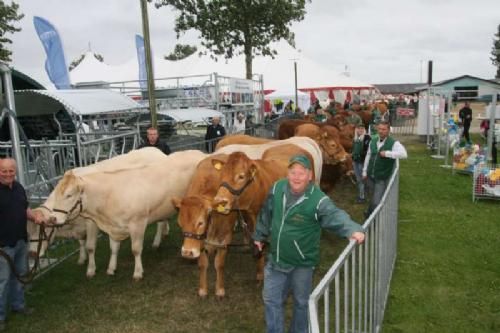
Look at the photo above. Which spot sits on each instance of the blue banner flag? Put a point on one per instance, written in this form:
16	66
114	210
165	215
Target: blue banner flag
141	58
55	65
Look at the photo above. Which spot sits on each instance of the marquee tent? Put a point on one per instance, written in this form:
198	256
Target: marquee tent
285	96
278	73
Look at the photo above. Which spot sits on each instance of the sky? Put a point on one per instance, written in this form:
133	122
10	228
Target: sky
383	41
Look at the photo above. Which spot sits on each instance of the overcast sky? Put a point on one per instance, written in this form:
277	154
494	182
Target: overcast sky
382	41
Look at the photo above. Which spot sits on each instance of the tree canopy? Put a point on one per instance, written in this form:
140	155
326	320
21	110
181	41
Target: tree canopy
8	17
232	27
180	52
495	52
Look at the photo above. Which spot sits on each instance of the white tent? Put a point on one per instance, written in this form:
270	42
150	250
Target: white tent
287	95
278	73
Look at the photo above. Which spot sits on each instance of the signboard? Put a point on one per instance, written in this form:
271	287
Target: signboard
240	86
405	112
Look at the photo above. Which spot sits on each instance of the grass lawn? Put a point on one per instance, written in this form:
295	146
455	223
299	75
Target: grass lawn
447	275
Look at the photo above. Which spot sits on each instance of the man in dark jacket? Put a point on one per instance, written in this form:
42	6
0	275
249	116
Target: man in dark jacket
291	220
215	131
14	212
153	140
465	115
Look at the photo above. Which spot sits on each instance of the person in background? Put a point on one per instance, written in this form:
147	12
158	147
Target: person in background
359	149
14	213
379	163
239	123
320	116
153	140
465	115
215	131
291	220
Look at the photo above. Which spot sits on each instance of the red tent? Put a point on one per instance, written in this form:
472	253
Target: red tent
312	97
331	95
348	97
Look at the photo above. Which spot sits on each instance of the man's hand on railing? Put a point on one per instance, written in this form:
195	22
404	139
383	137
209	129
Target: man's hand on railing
359	237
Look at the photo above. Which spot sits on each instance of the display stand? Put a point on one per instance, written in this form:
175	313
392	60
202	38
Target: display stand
486	182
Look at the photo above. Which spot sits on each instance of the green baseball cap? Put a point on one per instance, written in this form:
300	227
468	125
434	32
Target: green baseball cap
302	160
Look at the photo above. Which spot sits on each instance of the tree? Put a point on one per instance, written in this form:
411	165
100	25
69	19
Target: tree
181	51
77	61
232	27
495	52
8	16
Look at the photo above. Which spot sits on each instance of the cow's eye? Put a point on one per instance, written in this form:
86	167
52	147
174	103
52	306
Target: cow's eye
241	176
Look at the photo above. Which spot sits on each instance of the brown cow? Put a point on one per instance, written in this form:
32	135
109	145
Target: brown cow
244	187
240	139
328	139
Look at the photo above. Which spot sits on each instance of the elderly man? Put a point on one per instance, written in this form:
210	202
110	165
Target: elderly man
14	212
215	131
153	140
291	219
379	163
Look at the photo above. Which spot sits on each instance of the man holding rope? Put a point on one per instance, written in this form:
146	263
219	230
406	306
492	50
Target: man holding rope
14	212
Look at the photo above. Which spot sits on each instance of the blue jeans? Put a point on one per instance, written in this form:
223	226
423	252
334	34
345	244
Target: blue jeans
277	284
10	288
377	188
358	172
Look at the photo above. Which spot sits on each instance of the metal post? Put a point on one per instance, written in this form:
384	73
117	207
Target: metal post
491	131
429	115
447	120
296	93
149	63
14	131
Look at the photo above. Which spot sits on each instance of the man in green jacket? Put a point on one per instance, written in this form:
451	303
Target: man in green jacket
379	163
291	220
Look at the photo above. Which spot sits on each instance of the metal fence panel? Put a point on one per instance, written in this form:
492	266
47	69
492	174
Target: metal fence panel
361	275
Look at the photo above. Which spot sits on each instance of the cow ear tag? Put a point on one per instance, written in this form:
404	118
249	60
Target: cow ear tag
220	209
218	166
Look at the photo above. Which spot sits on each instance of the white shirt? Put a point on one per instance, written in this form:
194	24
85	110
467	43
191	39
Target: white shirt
398	152
238	126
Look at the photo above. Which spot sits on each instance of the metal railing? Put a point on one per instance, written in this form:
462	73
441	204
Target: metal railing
352	296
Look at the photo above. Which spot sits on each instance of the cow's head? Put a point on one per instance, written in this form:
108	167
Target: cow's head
193	218
237	174
333	151
65	202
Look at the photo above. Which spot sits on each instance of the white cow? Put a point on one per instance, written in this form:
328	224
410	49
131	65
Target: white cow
123	199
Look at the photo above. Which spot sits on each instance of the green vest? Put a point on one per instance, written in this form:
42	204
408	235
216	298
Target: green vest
357	150
296	244
380	168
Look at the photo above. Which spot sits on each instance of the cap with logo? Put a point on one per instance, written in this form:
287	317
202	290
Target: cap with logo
300	159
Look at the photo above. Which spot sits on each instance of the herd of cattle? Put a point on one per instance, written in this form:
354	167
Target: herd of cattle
210	192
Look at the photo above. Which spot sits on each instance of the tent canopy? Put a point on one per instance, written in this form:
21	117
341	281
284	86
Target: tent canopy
278	73
79	102
196	115
285	96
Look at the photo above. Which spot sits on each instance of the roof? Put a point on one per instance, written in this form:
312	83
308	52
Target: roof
399	88
22	81
196	115
79	102
465	77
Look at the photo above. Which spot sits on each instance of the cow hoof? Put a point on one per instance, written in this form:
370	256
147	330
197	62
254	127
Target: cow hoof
81	262
202	293
110	272
156	247
137	278
90	275
220	294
